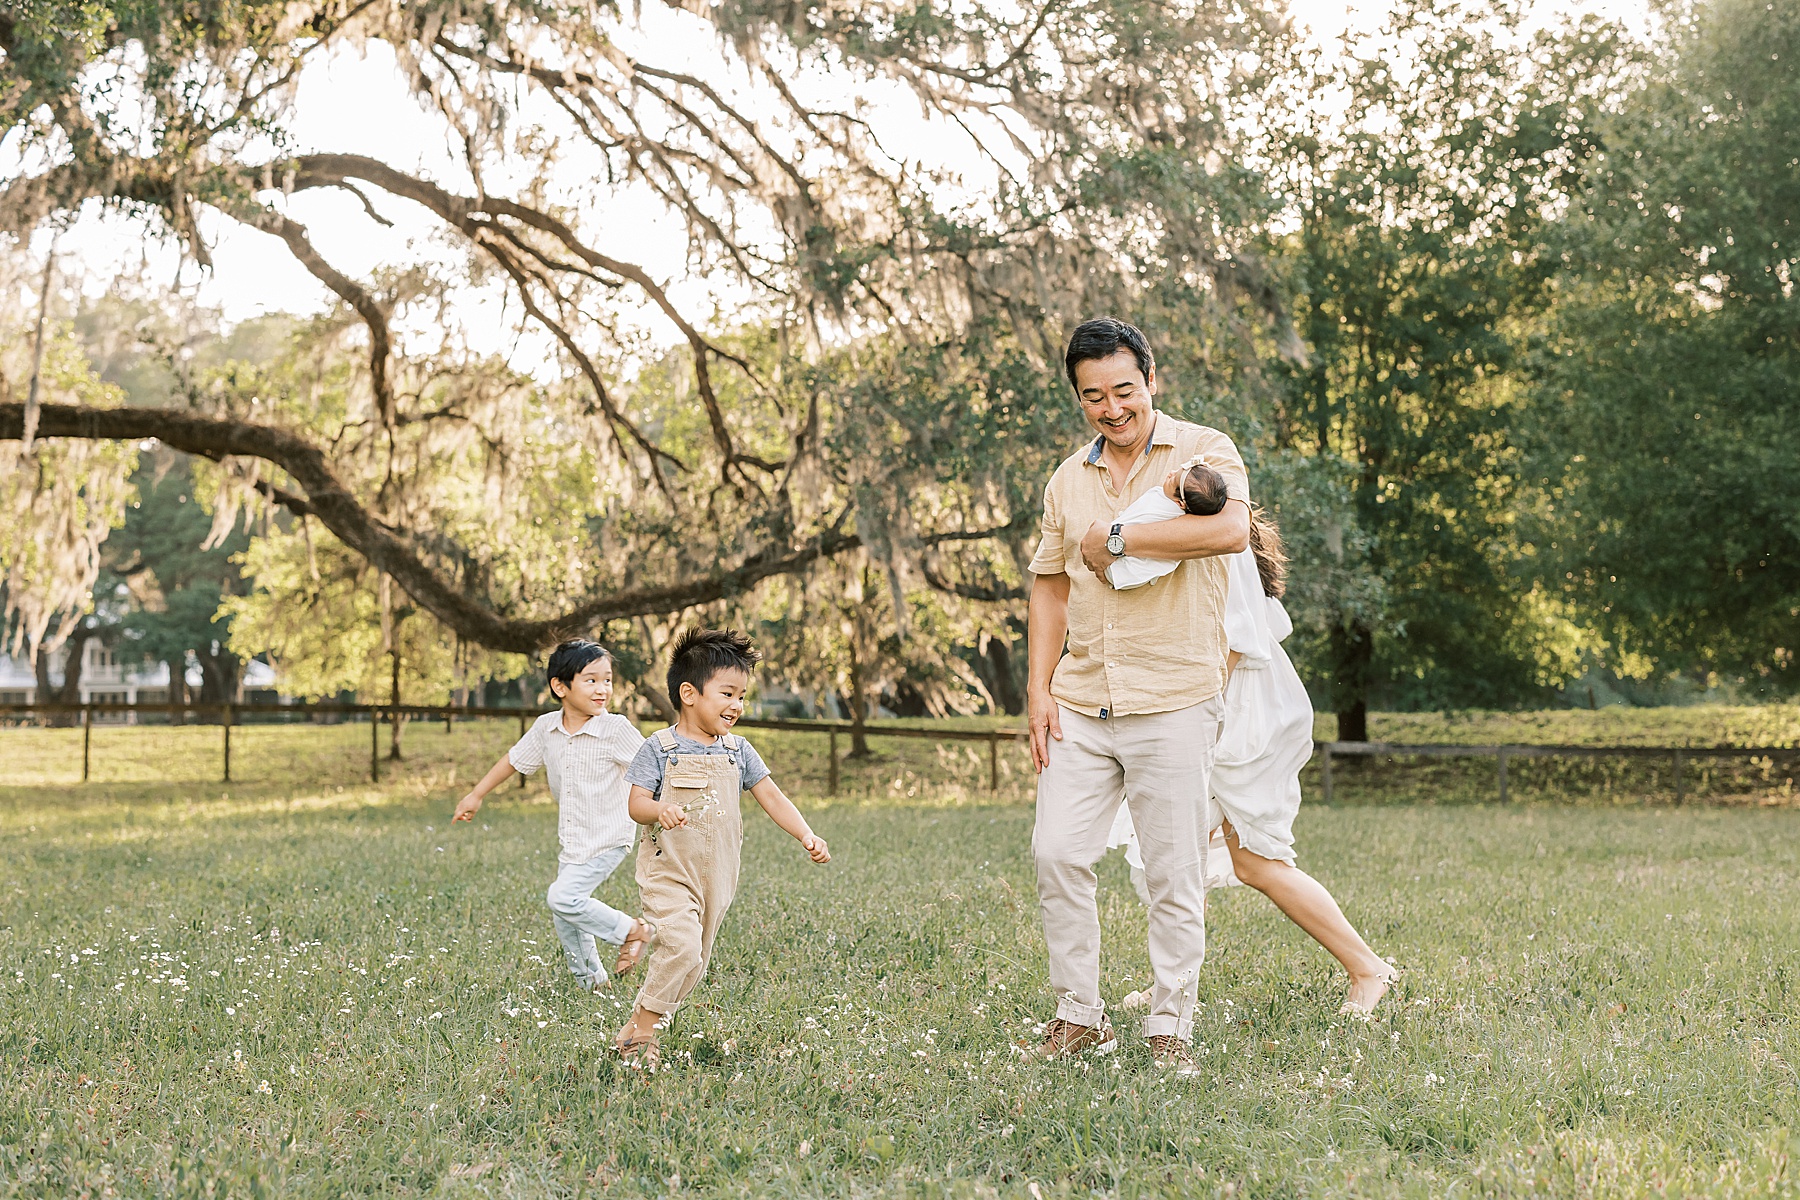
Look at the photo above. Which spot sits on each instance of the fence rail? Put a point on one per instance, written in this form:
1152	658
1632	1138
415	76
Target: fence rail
448	713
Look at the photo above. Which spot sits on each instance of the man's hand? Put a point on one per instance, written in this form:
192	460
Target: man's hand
815	846
1093	548
671	815
1046	723
467	807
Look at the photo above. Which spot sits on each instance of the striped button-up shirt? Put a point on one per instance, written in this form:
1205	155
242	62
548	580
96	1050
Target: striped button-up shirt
586	770
1155	648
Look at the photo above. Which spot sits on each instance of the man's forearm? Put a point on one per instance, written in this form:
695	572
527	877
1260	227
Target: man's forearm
1047	624
1224	532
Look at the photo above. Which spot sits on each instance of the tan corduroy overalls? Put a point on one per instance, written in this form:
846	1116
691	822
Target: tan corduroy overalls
688	876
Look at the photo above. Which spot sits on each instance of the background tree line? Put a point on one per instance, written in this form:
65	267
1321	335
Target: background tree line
1502	314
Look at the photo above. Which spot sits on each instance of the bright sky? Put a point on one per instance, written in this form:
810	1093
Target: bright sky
358	105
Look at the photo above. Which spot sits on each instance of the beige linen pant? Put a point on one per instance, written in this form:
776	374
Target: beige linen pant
688	876
1159	763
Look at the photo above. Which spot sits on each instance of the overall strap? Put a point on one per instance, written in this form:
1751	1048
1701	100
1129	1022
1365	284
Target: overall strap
666	739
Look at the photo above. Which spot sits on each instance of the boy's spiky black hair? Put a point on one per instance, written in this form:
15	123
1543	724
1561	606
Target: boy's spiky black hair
700	654
570	658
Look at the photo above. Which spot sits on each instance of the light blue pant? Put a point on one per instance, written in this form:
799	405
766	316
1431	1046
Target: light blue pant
580	918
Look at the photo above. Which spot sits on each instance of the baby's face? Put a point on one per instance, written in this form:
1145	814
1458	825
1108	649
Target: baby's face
1172	485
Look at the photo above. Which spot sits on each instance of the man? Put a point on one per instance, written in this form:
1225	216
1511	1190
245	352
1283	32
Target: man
1132	710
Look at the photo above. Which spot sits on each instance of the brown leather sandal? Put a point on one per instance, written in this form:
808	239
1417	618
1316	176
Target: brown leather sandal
634	948
642	1054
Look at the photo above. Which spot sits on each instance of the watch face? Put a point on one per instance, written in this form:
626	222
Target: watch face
1115	545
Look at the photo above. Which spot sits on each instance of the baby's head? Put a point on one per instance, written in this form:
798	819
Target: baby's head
709	673
1198	488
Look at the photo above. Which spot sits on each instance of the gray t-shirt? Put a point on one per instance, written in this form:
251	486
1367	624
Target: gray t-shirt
652	761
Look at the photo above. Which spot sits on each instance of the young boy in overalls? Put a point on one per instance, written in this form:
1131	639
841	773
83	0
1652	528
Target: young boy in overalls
685	786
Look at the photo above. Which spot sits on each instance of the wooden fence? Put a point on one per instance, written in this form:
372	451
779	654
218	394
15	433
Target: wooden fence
230	715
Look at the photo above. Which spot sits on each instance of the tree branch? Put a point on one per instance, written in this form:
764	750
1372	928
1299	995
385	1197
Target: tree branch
391	550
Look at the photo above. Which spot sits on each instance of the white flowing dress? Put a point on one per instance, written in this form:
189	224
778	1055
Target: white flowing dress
1265	739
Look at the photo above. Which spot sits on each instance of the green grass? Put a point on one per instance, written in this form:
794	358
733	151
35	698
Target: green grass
1598	999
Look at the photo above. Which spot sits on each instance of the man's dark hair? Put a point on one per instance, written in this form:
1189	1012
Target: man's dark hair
1202	491
700	654
1104	337
571	658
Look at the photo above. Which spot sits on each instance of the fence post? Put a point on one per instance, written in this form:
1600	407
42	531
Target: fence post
87	735
227	715
374	745
447	715
1325	765
993	762
1500	758
1680	791
831	788
521	734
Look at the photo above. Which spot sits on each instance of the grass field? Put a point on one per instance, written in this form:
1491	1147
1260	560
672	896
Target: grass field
306	985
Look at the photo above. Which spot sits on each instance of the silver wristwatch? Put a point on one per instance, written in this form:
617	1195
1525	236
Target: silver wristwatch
1115	541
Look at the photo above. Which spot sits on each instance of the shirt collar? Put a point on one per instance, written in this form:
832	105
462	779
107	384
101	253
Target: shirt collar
1162	433
592	727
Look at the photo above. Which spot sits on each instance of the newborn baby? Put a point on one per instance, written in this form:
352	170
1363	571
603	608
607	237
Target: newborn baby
1194	490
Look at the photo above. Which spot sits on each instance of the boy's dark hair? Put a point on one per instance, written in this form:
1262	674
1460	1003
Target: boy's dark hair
700	654
1104	337
571	658
1202	490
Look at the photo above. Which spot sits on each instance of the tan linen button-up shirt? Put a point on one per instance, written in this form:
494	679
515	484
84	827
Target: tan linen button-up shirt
1152	649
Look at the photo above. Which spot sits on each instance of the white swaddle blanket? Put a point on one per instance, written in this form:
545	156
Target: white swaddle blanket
1148	509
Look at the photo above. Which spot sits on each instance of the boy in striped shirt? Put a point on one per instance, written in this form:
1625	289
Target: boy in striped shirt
584	750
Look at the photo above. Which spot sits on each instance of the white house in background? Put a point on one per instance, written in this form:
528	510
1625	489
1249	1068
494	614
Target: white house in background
106	678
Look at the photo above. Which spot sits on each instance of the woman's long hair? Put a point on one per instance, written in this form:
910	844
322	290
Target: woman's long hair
1271	559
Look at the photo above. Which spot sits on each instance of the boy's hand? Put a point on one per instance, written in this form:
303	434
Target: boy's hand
467	807
815	846
671	816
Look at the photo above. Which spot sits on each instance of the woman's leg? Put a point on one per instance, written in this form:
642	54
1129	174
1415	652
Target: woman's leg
1308	905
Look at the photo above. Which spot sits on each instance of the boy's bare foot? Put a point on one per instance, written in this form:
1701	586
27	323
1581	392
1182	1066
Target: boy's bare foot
1366	992
637	943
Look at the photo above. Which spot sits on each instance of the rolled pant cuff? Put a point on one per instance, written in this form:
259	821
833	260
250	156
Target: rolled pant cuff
1077	1013
622	930
1181	1028
657	1004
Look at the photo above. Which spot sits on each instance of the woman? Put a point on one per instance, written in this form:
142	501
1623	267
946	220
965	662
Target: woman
1267	738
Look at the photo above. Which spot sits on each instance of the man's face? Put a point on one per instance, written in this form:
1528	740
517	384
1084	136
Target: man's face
1116	398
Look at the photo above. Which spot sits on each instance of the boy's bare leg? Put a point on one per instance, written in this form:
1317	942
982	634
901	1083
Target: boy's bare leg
1307	904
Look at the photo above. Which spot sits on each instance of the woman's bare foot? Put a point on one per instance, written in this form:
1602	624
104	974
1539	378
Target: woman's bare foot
1366	992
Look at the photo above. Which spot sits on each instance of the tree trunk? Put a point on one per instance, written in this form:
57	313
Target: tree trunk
70	691
395	719
1353	655
1002	685
178	693
859	707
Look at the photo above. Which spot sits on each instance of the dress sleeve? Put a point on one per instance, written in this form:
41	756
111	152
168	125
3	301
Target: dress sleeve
527	754
1049	559
1246	614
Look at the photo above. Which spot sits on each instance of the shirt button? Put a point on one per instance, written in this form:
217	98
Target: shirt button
1109	624
1111	665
